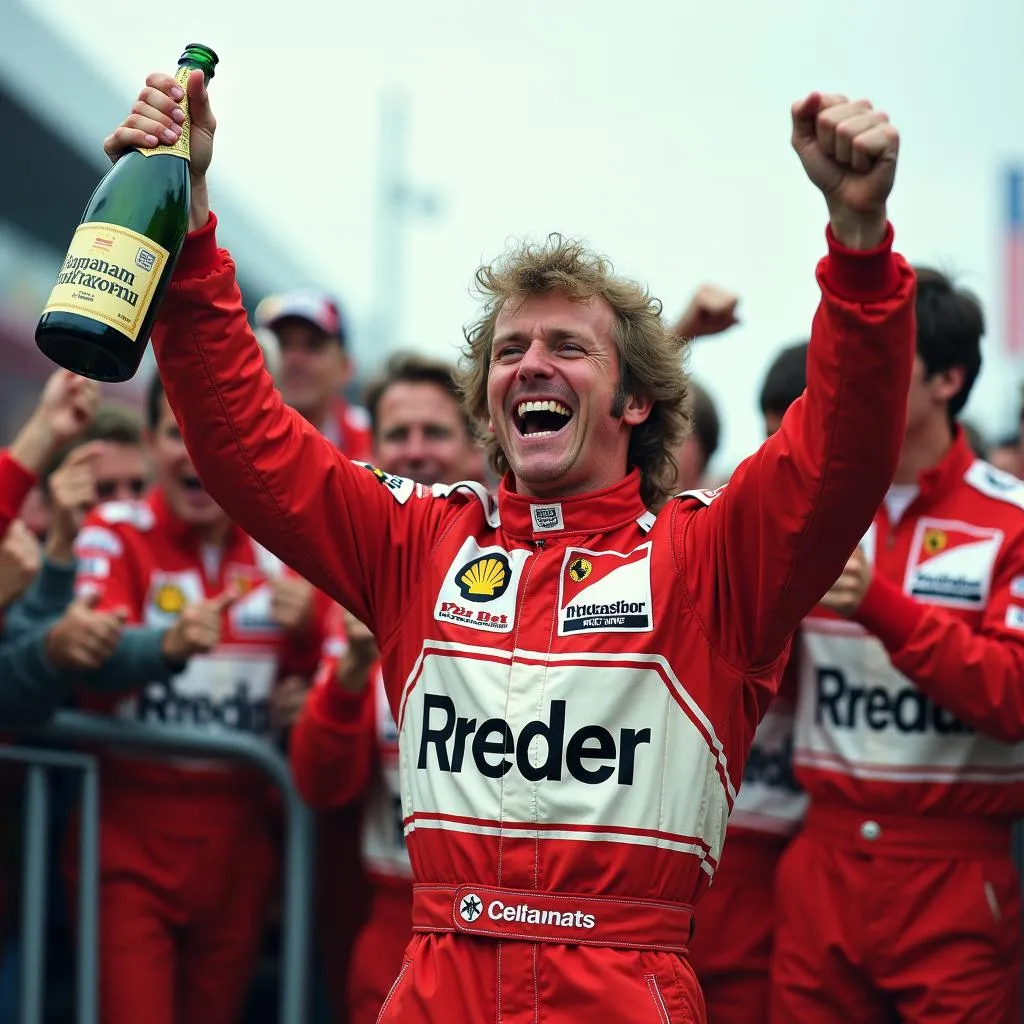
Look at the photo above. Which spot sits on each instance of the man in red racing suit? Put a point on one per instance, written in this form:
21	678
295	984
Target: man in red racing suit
576	681
899	897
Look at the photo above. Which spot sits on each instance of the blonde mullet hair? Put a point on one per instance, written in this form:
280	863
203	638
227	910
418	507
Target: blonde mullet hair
651	360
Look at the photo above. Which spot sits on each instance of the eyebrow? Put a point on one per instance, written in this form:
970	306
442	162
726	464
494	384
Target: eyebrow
554	333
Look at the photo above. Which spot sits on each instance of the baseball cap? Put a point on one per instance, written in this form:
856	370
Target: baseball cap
315	307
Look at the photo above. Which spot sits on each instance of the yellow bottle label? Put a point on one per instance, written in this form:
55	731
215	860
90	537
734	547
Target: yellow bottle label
109	275
179	148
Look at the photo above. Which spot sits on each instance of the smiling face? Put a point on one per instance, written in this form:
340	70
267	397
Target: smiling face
422	434
553	395
185	495
314	368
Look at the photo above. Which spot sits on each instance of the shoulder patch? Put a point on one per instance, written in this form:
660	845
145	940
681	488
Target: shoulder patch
705	497
131	513
470	489
98	539
401	488
995	483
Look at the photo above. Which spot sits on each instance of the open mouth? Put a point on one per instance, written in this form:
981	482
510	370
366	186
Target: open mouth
538	419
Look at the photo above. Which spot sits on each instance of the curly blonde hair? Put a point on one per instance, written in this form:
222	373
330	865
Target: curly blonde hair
650	355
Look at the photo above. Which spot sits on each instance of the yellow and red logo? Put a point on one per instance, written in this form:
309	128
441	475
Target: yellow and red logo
170	599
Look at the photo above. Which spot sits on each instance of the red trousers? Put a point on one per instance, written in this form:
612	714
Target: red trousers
478	980
881	920
735	922
379	951
181	919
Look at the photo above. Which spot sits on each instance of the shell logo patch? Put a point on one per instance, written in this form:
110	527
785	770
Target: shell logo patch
580	569
170	599
485	578
480	586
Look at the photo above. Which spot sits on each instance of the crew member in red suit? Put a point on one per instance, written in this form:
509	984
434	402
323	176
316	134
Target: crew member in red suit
735	921
899	897
187	847
561	832
345	744
315	367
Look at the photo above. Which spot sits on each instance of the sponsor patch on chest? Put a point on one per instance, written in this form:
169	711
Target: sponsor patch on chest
170	593
951	563
605	592
480	588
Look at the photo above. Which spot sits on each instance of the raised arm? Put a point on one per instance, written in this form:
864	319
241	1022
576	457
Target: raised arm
785	524
337	524
65	410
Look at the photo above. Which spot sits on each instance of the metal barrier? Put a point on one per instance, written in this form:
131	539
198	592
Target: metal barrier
76	728
33	880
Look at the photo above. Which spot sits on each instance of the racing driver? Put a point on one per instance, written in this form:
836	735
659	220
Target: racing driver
576	681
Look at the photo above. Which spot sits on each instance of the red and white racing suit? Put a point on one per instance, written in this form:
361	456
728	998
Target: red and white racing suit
343	747
576	682
187	848
899	896
735	920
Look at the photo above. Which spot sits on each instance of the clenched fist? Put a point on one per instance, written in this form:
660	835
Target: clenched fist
847	593
156	118
711	310
66	408
20	559
353	673
291	602
198	629
849	151
83	638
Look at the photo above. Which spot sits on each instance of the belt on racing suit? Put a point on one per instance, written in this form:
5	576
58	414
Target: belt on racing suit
892	835
528	915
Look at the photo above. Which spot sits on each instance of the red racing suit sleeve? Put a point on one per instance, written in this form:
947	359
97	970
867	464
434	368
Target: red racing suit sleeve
774	539
332	744
358	535
977	674
15	483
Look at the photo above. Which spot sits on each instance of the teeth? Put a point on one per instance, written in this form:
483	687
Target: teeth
547	406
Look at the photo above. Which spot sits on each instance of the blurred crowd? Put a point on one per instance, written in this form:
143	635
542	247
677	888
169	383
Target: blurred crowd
126	591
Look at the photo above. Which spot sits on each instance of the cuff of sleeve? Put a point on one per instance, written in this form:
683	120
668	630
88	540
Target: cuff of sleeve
329	701
862	275
199	253
15	483
888	613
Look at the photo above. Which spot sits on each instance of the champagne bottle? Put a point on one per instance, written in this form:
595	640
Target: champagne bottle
98	318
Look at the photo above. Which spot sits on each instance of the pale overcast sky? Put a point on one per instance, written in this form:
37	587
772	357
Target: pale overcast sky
657	130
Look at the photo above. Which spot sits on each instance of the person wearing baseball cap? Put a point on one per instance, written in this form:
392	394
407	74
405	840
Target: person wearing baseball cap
315	366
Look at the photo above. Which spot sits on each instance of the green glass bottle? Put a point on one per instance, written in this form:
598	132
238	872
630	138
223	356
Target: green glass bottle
98	318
